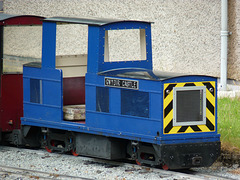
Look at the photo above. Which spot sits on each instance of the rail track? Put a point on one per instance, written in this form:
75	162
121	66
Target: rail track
206	175
24	164
7	172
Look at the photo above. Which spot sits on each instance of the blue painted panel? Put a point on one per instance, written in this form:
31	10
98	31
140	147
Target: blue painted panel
44	74
156	106
190	135
26	92
50	108
52	93
93	49
48	44
90	92
115	94
35	91
150	86
42	112
118	122
144	85
102	99
192	139
130	124
134	103
216	107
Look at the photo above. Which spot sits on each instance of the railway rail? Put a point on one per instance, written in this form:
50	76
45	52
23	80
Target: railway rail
7	172
24	164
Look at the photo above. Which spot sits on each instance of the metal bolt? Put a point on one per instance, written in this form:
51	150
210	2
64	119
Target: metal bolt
168	91
211	89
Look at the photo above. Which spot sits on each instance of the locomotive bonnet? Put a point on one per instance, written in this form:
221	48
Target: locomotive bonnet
94	105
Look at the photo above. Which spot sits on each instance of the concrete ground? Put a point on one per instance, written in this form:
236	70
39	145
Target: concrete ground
233	90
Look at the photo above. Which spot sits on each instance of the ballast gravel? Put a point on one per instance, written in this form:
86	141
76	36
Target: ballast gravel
83	167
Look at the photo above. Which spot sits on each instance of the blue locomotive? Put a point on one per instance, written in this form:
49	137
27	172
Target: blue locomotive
94	106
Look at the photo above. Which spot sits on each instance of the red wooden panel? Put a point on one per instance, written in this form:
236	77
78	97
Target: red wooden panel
11	102
74	91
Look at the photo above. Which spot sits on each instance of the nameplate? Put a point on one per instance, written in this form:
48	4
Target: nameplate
121	83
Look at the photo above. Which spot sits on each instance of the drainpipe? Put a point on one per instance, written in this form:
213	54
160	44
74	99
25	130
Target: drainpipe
224	45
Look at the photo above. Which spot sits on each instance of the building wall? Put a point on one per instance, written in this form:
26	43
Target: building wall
234	39
1	6
185	34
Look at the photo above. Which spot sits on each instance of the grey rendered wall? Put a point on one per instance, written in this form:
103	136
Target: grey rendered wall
1	6
185	33
234	40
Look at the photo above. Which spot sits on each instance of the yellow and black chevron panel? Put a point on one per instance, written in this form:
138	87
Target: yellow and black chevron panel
169	128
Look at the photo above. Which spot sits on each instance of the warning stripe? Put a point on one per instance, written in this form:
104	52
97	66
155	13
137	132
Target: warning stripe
189	84
210	86
204	128
168	109
209	124
210	107
168	127
195	128
168	99
168	88
189	130
175	129
210	97
183	129
168	118
210	116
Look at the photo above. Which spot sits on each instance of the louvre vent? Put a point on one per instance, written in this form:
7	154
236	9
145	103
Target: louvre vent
189	105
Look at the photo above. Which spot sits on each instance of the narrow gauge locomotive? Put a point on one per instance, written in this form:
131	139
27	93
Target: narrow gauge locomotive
130	110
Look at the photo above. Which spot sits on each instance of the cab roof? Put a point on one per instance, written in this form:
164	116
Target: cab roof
10	19
88	21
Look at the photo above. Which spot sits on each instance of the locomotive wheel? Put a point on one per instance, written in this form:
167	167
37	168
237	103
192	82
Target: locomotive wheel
138	163
73	151
49	149
165	167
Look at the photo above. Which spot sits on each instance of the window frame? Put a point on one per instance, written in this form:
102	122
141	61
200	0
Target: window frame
142	43
189	88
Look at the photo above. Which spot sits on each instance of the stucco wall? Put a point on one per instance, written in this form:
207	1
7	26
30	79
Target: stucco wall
185	34
1	5
234	40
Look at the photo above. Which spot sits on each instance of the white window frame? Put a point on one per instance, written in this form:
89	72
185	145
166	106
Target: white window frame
189	88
